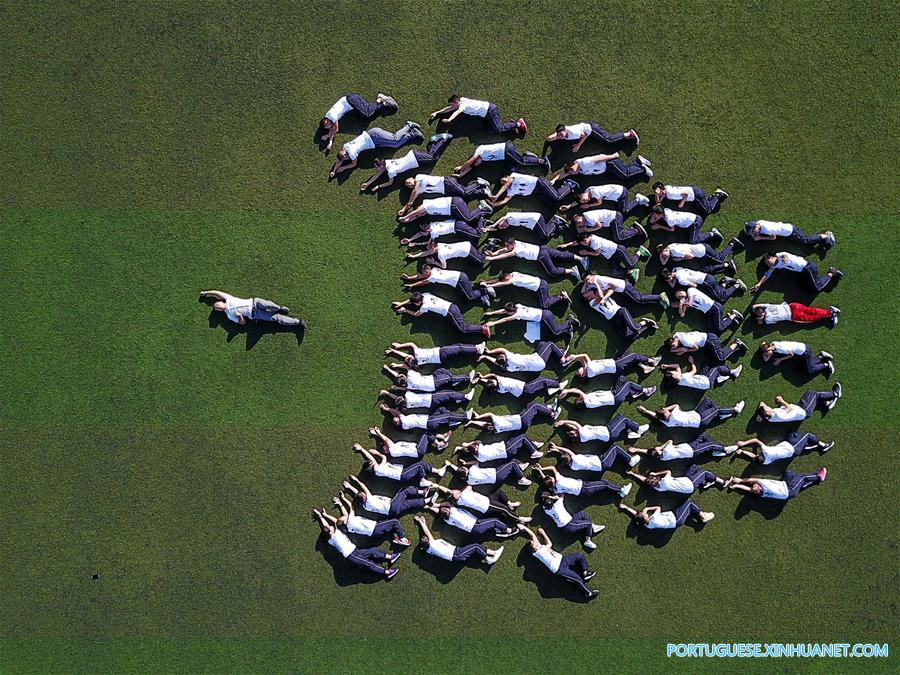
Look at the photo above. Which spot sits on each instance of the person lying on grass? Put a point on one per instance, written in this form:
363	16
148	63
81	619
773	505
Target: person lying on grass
441	548
573	567
370	559
242	310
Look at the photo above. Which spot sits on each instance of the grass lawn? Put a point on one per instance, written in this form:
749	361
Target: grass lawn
149	150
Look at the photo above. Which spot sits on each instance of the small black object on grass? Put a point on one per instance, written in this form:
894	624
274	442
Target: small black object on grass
94	577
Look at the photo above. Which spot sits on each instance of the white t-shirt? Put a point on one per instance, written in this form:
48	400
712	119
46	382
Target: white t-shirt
415	399
510	385
687	277
504	423
677	451
567	486
526	251
389	470
599	399
777	313
472	106
695	381
575	131
439	206
522	184
691	339
447	252
340	108
404	449
489	452
342	543
593	432
434	304
599	217
478	475
526	219
773	453
591	165
681	219
236	307
679	251
597	367
699	300
771	228
606	247
607	308
604	283
441	548
559	513
526	313
462	519
418	381
414	421
773	489
610	192
793	413
789	261
587	463
491	152
427	355
446	277
532	363
441	228
474	501
378	504
550	558
428	184
681	484
789	347
676	193
406	163
359	525
664	520
358	145
683	418
527	281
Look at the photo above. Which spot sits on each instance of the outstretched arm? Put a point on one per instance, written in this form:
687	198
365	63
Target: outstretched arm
215	295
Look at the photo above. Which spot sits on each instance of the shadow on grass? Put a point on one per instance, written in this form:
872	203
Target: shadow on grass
254	330
767	508
548	585
345	574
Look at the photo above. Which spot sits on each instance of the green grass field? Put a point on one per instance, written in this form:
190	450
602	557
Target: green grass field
149	150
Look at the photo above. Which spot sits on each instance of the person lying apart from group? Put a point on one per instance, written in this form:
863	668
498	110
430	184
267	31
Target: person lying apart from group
443	186
794	263
578	524
518	422
717	320
606	286
373	139
588	367
769	230
504	151
513	311
714	262
610	167
420	304
794	312
671	451
610	196
572	567
493	123
616	255
790	485
688	342
797	412
707	378
777	352
441	548
690	196
531	221
556	483
467	521
721	291
620	318
794	445
412	160
410	378
555	261
706	413
406	399
500	384
414	355
471	473
512	362
494	503
610	223
438	254
330	124
577	461
448	206
529	282
410	498
669	220
366	527
524	185
579	133
242	310
654	518
431	421
429	274
482	452
370	559
427	442
624	390
694	479
617	428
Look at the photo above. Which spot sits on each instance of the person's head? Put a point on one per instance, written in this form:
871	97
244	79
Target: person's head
416	299
510	307
343	155
578	220
584	198
410	183
378	163
219	306
401	380
662	413
653	481
462	472
641	518
571	167
572	433
766	350
759	313
439	443
656	453
359	498
426	269
756	490
410	361
454	99
547	500
503	360
680	295
671	343
560	128
659	188
548	481
505	178
656	212
326	124
444	509
509	242
584	238
490	383
667	273
771	259
505	276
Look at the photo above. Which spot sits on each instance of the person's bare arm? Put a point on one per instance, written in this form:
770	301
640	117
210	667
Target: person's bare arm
413	196
693	370
215	295
544	538
532	538
682	306
580	142
652	510
456	113
440	113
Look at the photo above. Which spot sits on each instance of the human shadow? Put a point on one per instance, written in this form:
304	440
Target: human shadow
471	128
345	574
254	330
550	586
767	508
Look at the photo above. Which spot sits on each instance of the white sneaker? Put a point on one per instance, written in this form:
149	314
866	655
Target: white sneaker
588	544
643	429
731	449
537	454
648	172
597	529
625	490
739	407
737	371
470	413
470	394
655	361
440	472
480	346
539	445
641	199
635	460
643	160
494	556
830	368
826	355
524	482
472	375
